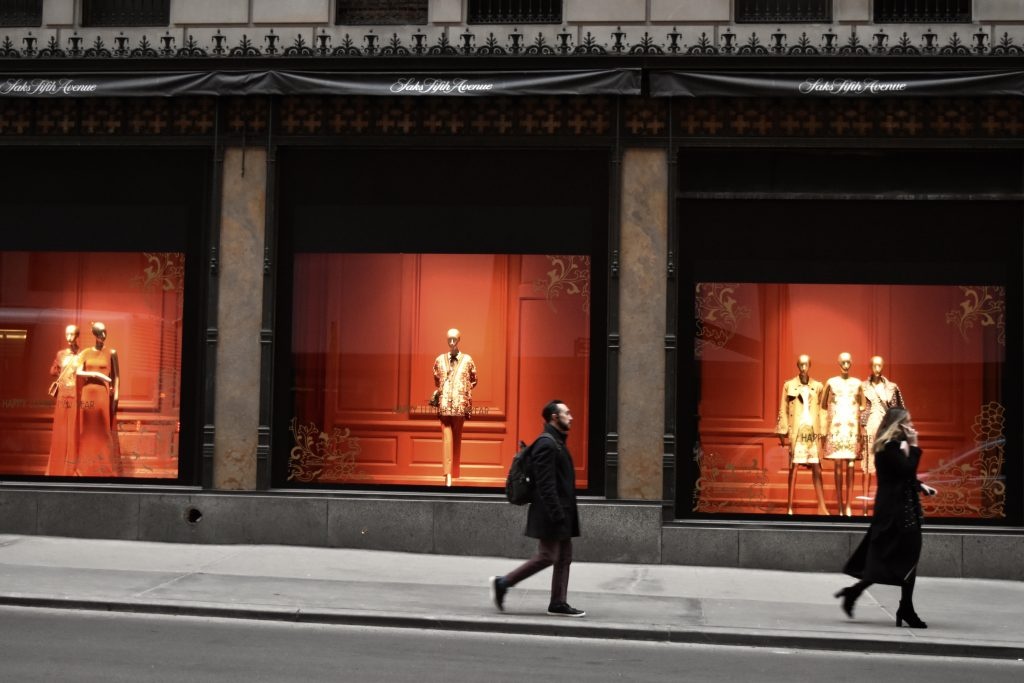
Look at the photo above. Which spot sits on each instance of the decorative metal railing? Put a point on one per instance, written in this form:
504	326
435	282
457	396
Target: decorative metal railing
783	11
21	12
748	40
515	11
126	12
917	11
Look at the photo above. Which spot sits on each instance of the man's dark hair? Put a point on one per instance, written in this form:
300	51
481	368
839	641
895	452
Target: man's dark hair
551	409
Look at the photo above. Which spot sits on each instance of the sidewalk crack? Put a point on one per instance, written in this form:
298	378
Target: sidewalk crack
184	575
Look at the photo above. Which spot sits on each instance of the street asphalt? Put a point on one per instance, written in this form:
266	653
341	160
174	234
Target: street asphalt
671	603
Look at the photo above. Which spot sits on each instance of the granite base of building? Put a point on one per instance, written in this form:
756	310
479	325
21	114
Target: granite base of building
453	525
950	552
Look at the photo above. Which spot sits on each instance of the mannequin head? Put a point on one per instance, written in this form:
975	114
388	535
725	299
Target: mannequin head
454	337
845	361
99	331
71	335
877	365
803	365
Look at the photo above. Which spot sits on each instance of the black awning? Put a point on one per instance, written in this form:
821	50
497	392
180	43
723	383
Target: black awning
838	84
274	82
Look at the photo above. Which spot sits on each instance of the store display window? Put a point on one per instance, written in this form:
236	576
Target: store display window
792	380
431	302
90	355
100	296
428	369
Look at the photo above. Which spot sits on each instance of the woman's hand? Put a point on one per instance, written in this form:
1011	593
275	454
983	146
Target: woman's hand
911	434
928	490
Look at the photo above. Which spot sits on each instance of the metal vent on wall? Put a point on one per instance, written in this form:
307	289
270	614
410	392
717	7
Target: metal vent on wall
916	11
515	11
783	11
126	12
380	12
21	13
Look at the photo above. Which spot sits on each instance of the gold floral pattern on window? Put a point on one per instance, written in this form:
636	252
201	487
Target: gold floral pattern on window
569	276
164	270
983	306
722	485
321	456
718	313
973	483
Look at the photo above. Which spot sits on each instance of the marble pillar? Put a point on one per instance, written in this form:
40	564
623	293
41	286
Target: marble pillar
642	292
239	318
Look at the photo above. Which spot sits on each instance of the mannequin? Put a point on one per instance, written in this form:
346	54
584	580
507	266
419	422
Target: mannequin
99	385
880	394
455	378
843	400
800	421
64	438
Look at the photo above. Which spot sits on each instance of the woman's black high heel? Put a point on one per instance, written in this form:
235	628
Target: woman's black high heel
908	615
849	597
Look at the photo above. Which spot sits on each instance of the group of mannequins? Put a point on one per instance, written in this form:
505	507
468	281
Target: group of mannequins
834	421
86	388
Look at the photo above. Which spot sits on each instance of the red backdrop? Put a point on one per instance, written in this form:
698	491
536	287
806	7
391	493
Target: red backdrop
942	344
366	331
139	298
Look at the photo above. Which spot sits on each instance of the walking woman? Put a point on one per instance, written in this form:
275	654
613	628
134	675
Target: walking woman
890	550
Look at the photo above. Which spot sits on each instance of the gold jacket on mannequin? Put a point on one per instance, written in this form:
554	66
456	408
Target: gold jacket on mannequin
800	419
455	382
454	377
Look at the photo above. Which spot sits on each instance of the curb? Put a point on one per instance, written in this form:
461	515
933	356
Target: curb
562	628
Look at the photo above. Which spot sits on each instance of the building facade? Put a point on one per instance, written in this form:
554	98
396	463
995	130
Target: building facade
235	237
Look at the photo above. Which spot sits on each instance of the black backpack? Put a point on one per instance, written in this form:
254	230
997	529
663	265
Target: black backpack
519	483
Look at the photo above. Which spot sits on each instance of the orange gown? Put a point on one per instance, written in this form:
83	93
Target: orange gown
98	452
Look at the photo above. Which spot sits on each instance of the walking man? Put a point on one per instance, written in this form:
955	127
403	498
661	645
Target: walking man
552	518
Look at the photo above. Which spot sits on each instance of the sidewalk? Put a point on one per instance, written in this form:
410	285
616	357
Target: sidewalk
966	617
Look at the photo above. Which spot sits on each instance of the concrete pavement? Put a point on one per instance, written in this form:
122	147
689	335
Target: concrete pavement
966	617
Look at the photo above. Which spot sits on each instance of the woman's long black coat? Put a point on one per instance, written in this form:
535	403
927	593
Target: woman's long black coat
552	514
890	550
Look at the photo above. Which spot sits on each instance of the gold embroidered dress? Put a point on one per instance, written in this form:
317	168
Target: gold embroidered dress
878	397
842	399
799	418
64	439
455	382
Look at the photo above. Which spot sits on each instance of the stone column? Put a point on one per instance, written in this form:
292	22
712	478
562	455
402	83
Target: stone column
239	316
642	301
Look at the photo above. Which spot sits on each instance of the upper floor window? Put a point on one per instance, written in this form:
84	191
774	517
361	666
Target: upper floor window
126	12
362	12
21	12
515	11
783	11
945	11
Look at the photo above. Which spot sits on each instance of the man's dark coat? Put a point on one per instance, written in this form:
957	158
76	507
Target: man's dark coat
552	514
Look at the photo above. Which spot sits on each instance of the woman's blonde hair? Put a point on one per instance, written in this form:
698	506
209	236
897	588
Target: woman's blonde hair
891	427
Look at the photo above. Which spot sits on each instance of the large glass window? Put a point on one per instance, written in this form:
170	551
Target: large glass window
389	267
775	436
370	346
98	313
896	275
90	353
